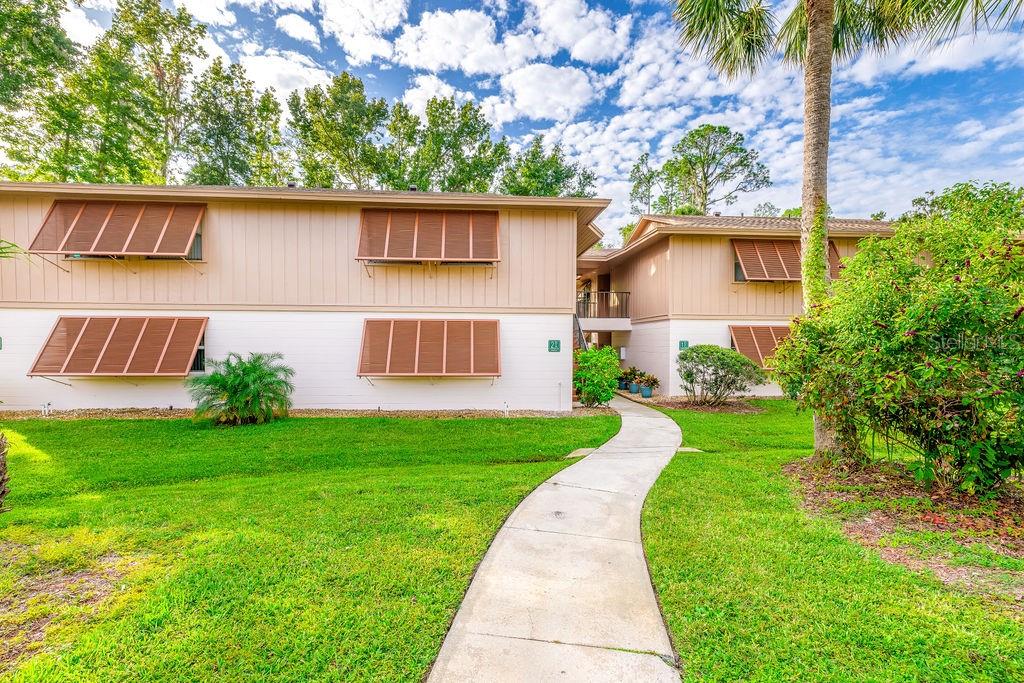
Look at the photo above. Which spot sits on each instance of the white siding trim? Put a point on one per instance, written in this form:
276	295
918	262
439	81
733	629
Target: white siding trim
323	347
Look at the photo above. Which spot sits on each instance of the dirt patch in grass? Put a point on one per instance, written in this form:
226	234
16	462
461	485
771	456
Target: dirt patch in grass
178	414
35	600
976	545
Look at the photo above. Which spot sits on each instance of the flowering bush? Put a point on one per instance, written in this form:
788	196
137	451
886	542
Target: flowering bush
922	341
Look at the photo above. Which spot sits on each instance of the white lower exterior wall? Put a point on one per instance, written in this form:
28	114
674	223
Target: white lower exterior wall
323	348
654	346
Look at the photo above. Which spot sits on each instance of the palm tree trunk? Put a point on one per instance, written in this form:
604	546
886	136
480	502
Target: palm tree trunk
817	118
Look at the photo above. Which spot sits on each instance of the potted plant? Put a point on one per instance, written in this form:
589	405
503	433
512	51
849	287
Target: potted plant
623	381
648	383
633	377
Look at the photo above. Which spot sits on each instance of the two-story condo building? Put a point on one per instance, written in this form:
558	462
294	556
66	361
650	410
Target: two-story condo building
678	281
396	300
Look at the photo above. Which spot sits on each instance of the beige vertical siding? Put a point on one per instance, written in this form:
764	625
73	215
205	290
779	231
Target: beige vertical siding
296	255
692	276
703	282
647	278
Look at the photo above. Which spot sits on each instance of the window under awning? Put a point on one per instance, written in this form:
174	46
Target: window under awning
777	260
109	228
757	342
430	348
109	346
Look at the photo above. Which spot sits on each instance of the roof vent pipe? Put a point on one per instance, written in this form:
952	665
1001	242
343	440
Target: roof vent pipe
291	184
718	213
413	188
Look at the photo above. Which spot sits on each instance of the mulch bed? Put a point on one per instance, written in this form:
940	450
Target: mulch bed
178	414
899	502
737	406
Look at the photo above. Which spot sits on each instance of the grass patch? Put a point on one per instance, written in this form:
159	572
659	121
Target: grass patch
307	549
755	588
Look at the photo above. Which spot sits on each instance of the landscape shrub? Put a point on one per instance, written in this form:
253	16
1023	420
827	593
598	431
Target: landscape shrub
922	341
596	375
241	390
648	380
711	374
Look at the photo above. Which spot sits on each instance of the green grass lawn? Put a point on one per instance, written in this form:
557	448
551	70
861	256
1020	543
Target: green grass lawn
308	549
753	588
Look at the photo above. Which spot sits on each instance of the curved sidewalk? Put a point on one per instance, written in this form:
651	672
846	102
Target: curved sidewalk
563	592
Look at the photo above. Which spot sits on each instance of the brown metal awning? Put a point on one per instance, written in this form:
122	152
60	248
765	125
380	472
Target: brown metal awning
757	342
107	228
120	347
428	235
430	348
777	260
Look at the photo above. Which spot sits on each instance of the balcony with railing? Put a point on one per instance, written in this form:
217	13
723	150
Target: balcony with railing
603	311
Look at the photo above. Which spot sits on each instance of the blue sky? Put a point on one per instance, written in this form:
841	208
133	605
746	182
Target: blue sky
608	81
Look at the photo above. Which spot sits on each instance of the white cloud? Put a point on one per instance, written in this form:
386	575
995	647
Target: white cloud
541	91
298	28
276	5
283	70
359	26
464	40
960	53
590	35
980	137
79	27
213	12
426	86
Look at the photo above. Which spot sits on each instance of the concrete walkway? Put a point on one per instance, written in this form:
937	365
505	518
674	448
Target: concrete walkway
563	593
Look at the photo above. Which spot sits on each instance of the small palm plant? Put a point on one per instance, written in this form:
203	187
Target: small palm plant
241	390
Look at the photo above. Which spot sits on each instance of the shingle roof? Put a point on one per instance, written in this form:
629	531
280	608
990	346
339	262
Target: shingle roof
728	223
746	226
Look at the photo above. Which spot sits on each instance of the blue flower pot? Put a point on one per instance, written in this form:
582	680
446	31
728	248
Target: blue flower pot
623	384
646	392
634	388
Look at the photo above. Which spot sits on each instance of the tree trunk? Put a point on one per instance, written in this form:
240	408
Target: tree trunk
817	119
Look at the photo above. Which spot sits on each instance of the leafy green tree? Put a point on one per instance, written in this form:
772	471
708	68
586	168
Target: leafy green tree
717	166
878	216
335	131
223	121
738	37
97	126
674	183
626	231
766	210
269	159
32	47
644	180
926	351
164	45
537	173
451	150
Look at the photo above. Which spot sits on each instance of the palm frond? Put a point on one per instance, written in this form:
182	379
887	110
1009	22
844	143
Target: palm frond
241	390
939	20
735	36
10	249
859	25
